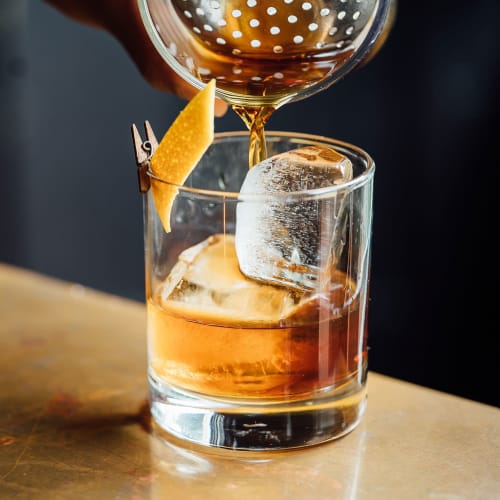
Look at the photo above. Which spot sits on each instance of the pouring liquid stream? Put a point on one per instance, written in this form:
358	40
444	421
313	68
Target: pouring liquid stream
255	118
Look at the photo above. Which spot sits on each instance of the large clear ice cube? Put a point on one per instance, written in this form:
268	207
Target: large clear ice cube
207	279
288	240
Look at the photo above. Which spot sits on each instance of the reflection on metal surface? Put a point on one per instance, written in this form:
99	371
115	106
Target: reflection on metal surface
218	473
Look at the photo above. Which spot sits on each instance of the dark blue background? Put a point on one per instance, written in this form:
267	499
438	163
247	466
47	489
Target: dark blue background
426	108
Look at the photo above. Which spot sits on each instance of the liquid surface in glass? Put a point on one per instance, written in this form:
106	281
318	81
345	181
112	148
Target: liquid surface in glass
214	331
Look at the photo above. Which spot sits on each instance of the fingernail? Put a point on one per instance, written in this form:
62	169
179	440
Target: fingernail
220	108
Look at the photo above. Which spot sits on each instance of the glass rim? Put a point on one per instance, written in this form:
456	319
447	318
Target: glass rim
317	193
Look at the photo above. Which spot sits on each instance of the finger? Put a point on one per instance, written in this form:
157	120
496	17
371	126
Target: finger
220	108
166	79
152	66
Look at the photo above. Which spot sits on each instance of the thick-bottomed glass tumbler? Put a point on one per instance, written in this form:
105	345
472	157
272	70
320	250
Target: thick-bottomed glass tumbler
257	298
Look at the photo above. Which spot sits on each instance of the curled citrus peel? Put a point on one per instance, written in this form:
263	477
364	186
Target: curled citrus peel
181	148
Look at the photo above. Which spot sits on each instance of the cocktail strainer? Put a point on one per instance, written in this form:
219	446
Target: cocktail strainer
265	52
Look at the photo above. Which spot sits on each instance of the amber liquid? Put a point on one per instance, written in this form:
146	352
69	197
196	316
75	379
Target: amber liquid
255	102
233	353
261	59
263	55
250	362
258	58
255	119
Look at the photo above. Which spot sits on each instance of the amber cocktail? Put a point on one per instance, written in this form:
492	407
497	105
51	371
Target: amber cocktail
257	297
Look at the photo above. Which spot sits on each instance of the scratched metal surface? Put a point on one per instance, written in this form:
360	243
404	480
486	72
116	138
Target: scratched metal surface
74	423
71	390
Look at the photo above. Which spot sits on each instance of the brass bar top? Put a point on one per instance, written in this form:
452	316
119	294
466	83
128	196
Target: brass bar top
74	421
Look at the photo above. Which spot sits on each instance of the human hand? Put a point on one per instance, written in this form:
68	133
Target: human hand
121	18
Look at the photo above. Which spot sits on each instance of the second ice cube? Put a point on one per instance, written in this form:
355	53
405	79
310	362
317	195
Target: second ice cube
288	240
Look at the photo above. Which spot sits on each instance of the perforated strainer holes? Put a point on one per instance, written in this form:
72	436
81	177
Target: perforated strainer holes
269	28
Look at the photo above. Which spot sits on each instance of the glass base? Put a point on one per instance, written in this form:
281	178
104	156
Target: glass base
246	425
